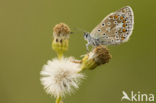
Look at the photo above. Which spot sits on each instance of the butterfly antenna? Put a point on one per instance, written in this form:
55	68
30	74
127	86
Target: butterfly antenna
78	30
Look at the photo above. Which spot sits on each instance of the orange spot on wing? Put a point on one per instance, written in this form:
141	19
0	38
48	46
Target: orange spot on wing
111	16
124	21
115	16
121	17
122	38
124	25
124	30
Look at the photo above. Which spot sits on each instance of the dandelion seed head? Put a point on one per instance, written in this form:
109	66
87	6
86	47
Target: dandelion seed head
60	77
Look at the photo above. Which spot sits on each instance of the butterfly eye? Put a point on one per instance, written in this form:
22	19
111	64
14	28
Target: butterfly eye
86	35
103	24
99	30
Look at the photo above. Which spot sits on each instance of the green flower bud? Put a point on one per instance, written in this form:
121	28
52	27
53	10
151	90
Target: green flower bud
61	34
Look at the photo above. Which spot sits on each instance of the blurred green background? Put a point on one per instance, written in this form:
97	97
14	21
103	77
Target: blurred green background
25	46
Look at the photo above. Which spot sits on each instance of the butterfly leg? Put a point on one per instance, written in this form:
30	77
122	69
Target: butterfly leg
97	42
87	45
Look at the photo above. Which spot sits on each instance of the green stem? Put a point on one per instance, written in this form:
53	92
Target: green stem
58	99
59	55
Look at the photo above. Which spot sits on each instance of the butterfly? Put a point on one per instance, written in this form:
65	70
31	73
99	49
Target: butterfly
114	29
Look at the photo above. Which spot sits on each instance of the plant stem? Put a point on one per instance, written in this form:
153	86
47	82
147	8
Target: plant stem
58	99
59	55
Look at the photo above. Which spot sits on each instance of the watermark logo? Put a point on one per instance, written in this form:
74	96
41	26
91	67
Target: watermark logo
137	97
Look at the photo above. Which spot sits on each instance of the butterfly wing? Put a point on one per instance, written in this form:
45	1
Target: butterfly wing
116	28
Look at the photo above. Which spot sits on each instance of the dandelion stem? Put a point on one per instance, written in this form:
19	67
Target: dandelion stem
58	100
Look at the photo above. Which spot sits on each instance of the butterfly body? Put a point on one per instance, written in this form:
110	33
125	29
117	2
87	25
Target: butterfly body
115	28
90	40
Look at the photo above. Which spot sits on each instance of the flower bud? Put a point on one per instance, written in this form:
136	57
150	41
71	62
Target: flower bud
98	56
61	34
